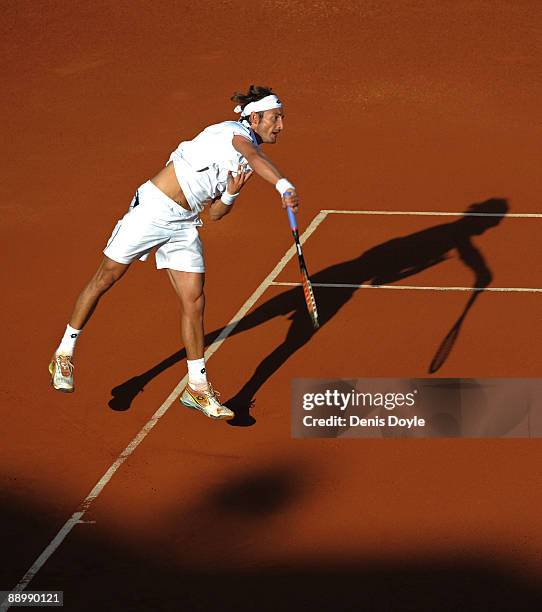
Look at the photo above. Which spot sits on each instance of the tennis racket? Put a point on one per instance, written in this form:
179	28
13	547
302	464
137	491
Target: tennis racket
307	287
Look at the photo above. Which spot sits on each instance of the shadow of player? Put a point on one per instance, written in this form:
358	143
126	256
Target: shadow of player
386	263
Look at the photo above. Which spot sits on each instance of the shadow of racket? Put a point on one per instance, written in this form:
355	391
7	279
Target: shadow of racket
448	343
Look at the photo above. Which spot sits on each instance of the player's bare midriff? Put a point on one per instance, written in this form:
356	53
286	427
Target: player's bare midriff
167	182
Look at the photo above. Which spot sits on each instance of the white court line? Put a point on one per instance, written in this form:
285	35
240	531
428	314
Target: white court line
414	287
77	516
430	213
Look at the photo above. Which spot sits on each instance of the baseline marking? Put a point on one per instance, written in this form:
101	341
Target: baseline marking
414	287
432	213
77	516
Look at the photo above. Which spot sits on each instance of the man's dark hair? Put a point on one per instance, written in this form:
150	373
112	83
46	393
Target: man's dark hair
254	93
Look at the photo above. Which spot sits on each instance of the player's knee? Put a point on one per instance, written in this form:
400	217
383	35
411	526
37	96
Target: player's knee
194	303
104	280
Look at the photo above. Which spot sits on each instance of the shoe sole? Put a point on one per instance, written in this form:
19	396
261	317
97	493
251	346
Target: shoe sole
225	417
61	389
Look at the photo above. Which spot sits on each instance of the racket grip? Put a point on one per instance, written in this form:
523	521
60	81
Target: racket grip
291	218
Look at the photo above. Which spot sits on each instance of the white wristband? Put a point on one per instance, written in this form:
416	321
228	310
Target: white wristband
228	198
283	185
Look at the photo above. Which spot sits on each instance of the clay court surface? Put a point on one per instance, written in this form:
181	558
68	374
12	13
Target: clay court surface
390	107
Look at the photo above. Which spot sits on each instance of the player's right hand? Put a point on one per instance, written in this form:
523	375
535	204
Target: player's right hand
289	198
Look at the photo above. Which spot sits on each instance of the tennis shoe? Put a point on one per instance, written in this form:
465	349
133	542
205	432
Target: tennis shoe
206	402
61	371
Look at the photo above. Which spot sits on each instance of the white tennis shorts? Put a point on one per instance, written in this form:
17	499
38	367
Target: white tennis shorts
155	221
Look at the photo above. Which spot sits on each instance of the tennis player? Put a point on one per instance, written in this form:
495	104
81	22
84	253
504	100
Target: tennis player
164	215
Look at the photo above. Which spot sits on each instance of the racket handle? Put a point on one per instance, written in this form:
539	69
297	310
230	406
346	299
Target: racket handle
291	218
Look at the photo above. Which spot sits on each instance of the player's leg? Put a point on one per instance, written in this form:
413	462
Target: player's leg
182	257
198	393
189	289
108	273
61	366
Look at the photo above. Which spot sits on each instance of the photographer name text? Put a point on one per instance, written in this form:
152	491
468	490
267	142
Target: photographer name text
353	420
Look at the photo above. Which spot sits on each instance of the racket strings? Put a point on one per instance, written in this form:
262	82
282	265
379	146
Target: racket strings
309	299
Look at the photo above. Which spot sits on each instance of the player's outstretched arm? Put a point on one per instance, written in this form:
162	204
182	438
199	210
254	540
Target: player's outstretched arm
265	168
259	162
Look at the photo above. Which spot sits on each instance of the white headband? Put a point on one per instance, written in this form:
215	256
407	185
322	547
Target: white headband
267	103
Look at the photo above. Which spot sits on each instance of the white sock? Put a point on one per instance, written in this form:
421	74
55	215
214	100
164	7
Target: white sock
197	375
67	344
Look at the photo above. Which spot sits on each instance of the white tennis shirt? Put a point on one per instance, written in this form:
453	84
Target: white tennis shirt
202	164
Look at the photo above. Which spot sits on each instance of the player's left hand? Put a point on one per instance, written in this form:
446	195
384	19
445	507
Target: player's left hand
236	182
